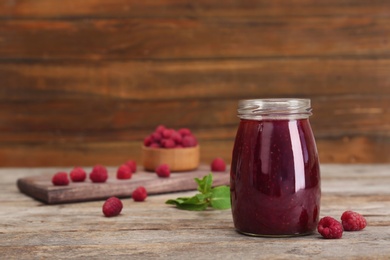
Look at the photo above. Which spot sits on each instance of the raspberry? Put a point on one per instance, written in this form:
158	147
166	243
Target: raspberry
168	143
330	228
112	207
156	137
163	171
177	138
184	132
160	129
154	145
124	172
148	141
98	174
78	174
167	133
164	137
189	141
60	179
139	194
353	221
133	165
218	165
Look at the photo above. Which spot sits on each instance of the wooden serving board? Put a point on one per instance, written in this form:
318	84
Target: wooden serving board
41	188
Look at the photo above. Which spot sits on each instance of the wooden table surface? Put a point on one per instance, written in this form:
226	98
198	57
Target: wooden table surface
30	229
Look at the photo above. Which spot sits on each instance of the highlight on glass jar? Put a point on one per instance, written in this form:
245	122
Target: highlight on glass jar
275	176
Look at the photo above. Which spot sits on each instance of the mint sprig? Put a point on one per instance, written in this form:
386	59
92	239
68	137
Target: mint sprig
217	197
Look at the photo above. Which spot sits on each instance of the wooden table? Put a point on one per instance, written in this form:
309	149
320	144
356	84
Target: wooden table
31	229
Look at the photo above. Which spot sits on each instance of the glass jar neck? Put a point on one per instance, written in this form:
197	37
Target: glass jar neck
274	109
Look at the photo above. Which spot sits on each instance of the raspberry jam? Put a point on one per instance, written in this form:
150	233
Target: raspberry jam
275	175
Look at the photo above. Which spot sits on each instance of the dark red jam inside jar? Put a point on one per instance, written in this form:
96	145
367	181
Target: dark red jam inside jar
275	175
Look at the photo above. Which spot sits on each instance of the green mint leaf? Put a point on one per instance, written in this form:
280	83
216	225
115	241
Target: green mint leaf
220	198
197	202
217	197
176	201
204	185
204	197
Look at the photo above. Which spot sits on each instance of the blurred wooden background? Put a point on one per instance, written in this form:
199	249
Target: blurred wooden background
82	82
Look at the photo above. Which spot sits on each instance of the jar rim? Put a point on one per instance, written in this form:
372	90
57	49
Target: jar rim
274	108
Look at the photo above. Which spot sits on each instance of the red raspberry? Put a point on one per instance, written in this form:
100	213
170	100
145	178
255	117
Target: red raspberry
163	171
329	227
154	145
353	221
189	141
167	133
98	174
139	194
177	138
60	179
133	165
148	141
218	165
112	207
184	132
156	136
78	174
160	129
124	172
168	143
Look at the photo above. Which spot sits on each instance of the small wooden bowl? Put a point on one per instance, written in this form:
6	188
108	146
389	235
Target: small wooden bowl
178	159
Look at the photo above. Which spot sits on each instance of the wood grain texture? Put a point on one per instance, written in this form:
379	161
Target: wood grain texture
356	149
202	79
46	9
204	8
355	115
185	38
93	78
152	229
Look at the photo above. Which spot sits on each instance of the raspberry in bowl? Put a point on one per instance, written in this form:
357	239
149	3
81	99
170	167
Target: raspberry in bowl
177	148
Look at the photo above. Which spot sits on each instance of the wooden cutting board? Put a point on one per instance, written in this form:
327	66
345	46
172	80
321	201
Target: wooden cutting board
41	188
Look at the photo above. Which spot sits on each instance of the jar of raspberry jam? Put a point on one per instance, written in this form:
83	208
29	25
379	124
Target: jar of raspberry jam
275	174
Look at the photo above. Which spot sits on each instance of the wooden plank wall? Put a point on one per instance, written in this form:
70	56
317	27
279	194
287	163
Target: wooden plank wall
82	82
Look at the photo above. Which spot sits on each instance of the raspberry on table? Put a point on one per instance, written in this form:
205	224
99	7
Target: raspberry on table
133	165
98	174
112	207
139	194
330	228
124	172
218	165
163	171
78	174
60	179
353	221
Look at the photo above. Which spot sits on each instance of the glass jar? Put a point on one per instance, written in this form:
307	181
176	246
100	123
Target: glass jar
275	174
